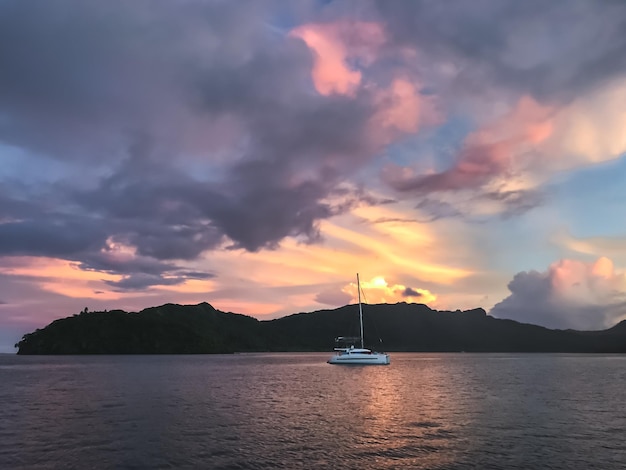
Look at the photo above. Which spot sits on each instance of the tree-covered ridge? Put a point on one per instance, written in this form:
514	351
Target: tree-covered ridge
201	329
168	329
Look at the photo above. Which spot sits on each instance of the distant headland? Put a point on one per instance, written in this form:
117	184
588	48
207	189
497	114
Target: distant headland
201	329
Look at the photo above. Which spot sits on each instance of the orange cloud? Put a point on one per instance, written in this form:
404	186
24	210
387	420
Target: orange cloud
334	44
378	291
603	268
62	277
411	254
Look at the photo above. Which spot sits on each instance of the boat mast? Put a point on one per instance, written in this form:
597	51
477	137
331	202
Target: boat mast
358	286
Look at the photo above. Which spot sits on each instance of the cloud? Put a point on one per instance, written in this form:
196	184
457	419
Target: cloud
570	294
402	109
146	139
335	46
137	272
217	133
377	290
140	281
589	129
49	236
409	292
334	297
277	183
613	246
86	86
535	105
551	50
346	51
516	202
496	150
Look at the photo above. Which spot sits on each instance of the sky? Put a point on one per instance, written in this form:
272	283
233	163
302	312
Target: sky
256	155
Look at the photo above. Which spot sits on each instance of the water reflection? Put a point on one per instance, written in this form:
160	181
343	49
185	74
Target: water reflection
439	411
405	420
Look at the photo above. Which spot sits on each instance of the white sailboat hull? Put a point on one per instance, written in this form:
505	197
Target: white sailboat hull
352	358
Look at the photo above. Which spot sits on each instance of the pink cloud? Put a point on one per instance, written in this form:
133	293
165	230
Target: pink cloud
343	54
569	294
491	152
591	128
334	45
401	108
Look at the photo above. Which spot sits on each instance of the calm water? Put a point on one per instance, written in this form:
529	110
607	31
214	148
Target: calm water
431	411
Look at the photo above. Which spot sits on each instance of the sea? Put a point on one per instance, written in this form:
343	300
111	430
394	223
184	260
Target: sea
295	411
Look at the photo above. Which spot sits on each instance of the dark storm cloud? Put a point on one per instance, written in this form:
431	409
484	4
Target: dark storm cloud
409	292
83	235
292	132
72	239
107	261
14	204
138	272
140	281
175	217
51	235
79	75
553	50
133	88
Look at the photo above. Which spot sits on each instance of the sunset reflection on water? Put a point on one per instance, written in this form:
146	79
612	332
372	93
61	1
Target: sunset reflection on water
407	420
424	411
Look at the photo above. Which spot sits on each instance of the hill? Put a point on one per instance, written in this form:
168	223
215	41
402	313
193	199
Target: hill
201	329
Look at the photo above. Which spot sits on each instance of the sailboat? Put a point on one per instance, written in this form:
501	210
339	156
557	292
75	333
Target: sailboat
352	355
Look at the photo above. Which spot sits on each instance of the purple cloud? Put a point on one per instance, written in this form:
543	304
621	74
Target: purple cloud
410	292
570	294
333	297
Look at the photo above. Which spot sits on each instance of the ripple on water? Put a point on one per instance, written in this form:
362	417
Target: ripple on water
447	411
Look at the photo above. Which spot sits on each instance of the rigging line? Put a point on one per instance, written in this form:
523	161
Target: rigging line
380	340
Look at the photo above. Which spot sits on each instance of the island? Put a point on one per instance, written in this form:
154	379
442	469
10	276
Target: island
201	329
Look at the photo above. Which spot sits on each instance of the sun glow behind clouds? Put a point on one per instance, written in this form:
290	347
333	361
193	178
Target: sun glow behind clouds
377	291
300	272
378	282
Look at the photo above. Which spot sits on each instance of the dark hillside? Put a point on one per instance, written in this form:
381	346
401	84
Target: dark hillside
200	329
169	329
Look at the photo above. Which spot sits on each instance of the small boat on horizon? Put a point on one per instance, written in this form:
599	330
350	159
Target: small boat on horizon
351	355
